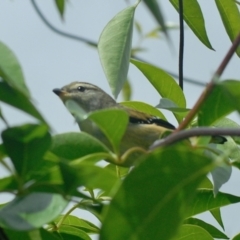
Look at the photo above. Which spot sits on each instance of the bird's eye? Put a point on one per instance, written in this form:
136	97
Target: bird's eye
81	89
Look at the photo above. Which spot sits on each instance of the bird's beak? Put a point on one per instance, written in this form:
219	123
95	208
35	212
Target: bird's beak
61	93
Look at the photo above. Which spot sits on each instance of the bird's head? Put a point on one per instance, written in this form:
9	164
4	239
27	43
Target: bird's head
88	96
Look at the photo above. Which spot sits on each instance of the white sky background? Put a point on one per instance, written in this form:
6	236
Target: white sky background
51	61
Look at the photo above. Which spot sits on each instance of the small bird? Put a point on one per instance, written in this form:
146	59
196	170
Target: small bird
142	130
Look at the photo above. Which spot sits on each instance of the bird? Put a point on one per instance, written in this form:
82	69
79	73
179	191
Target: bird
142	129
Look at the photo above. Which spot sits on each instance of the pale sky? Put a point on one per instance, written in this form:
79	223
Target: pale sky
51	61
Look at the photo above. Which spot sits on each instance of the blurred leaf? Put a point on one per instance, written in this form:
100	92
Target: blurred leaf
190	232
171	106
119	171
73	233
3	118
114	48
237	237
144	107
19	100
40	234
213	109
60	6
11	72
205	201
31	211
75	145
163	184
8	184
220	175
193	16
230	15
74	221
216	213
215	233
138	27
127	91
87	175
206	183
228	123
26	146
156	11
113	123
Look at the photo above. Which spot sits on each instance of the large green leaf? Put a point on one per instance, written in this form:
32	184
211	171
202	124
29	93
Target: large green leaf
26	145
87	175
73	233
162	82
193	16
113	123
213	231
114	48
205	201
78	223
10	70
230	15
75	145
190	232
31	211
17	99
144	107
162	185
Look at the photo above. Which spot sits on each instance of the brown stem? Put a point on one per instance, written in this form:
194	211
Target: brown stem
210	86
201	131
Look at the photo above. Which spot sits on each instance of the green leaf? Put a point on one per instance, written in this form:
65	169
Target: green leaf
163	184
87	175
31	211
78	223
73	233
216	213
230	15
162	82
205	201
193	16
26	146
127	91
223	100
8	184
60	6
155	9
34	234
144	107
114	48
190	232
10	70
113	123
76	145
19	100
237	237
214	232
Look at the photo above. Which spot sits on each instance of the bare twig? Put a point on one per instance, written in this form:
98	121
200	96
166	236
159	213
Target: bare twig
54	29
201	131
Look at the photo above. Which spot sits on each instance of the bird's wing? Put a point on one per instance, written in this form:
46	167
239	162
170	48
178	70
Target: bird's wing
143	118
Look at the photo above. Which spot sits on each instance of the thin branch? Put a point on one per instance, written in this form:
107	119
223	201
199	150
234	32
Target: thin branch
54	29
210	86
194	132
181	43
